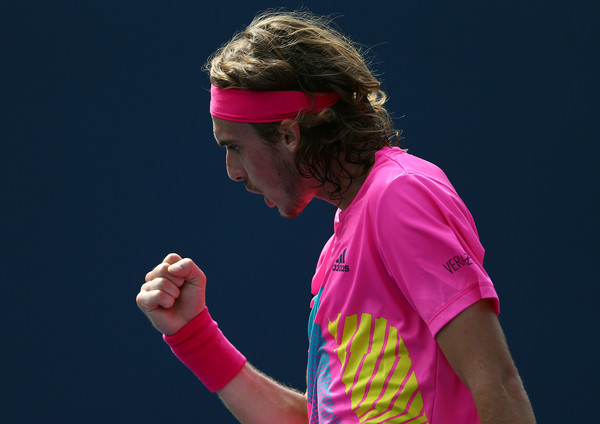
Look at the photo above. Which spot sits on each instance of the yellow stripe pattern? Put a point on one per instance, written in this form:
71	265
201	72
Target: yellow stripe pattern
377	371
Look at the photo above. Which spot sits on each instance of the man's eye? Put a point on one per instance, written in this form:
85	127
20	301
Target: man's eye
234	148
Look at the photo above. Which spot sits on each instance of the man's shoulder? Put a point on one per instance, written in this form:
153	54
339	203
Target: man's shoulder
396	161
396	167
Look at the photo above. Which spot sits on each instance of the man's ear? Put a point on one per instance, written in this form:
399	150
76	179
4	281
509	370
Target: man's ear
290	134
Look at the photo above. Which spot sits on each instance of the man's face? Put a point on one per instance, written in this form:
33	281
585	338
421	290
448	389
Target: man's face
265	168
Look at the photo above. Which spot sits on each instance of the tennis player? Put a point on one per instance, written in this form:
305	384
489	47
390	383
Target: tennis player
403	325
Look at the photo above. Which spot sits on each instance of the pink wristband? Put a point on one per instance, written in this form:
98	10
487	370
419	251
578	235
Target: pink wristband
203	348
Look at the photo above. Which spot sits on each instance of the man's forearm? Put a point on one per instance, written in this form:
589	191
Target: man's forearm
254	398
507	405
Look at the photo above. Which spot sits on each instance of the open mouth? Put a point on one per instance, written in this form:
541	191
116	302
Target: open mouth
252	189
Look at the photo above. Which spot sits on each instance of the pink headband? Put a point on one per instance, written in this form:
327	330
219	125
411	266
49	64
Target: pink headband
238	105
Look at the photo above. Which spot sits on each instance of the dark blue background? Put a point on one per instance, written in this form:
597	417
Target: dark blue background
108	163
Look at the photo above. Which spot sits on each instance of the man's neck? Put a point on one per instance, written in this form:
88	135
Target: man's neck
350	188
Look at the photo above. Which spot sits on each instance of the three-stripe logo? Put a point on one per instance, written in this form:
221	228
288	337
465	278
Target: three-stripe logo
340	263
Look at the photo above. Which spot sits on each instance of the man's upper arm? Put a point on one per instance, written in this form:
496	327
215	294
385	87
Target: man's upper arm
475	346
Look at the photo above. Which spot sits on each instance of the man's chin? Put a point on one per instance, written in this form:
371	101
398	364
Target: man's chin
292	208
290	213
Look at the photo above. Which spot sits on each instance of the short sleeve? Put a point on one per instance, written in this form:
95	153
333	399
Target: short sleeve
429	245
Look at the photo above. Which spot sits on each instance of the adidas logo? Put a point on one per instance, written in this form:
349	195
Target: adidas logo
340	263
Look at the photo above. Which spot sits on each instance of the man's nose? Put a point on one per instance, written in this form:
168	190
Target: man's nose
234	167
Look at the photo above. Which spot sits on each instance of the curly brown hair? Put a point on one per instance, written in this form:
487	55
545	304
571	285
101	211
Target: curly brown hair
302	51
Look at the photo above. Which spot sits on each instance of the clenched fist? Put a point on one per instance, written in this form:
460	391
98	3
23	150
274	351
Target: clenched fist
173	294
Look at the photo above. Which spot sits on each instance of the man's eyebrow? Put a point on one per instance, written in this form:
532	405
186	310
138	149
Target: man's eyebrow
223	143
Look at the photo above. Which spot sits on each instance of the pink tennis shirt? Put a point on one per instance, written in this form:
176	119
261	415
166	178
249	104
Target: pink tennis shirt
404	260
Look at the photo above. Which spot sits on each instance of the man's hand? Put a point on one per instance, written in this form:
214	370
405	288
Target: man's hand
173	294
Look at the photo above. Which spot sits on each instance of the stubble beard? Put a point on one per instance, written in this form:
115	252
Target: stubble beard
292	185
